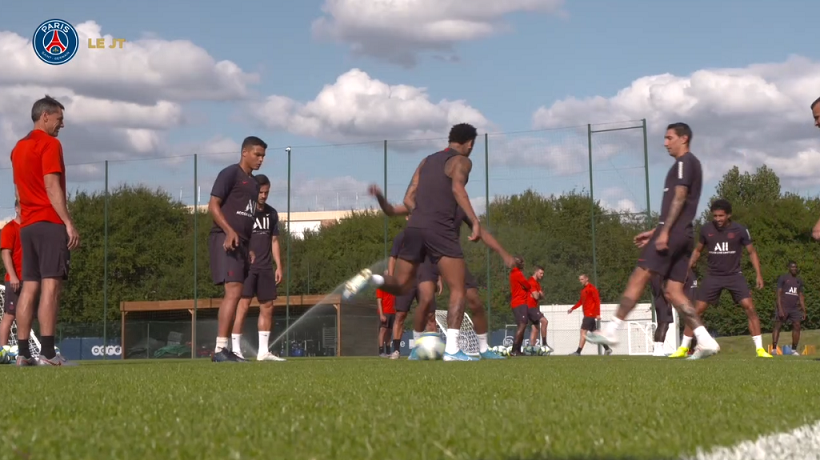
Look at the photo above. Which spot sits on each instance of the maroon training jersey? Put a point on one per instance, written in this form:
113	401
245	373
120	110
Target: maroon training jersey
238	192
725	247
792	287
436	205
687	172
265	227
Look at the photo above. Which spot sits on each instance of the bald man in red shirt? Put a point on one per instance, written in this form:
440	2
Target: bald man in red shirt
591	302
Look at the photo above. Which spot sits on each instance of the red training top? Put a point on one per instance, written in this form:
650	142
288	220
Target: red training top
519	288
590	300
35	156
535	286
388	302
10	239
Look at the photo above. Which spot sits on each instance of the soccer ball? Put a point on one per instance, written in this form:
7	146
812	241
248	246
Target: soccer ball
429	347
544	351
529	350
4	354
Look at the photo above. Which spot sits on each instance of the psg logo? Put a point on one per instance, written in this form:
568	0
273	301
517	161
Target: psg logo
55	42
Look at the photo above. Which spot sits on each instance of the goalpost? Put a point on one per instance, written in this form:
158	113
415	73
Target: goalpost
636	334
34	343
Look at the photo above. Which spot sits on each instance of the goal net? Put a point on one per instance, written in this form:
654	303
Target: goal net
34	344
467	338
636	334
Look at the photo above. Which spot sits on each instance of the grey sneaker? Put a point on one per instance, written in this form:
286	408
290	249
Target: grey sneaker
23	362
43	361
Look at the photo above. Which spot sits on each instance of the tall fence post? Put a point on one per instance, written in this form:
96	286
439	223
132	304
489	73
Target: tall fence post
196	283
648	210
487	218
287	281
105	267
385	197
592	219
592	209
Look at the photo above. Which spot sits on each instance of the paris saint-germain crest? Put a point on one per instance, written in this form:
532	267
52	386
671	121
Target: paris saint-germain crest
55	42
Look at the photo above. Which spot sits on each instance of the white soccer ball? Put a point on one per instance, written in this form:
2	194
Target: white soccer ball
430	347
12	352
543	351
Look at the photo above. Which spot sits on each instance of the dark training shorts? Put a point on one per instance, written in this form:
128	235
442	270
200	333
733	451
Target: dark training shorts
534	315
588	324
10	305
469	280
663	309
713	285
793	315
672	264
260	284
422	243
426	272
45	251
227	267
388	322
520	313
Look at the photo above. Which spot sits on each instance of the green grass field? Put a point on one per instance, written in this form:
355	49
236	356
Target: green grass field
556	407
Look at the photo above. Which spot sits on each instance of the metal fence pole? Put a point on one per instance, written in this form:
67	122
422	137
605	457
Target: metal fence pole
487	218
196	284
385	197
105	267
287	282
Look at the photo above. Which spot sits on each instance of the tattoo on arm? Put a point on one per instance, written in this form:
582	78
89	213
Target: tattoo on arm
410	195
676	207
459	172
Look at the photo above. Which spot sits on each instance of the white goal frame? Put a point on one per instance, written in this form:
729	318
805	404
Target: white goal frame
34	343
636	334
467	338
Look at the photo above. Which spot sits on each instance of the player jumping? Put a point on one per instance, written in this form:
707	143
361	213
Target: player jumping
725	241
262	277
789	297
667	247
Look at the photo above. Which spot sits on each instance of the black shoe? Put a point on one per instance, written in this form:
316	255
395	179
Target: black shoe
226	355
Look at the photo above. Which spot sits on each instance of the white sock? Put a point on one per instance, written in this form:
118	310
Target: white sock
376	280
236	343
221	343
263	343
703	336
658	346
416	336
482	343
451	345
612	326
686	341
758	341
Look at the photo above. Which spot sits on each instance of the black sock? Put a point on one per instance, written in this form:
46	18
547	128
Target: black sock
396	344
578	350
23	349
47	346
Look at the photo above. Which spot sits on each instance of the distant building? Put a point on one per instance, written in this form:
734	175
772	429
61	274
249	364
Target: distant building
301	221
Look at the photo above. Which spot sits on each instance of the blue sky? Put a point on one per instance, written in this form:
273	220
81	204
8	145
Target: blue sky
592	49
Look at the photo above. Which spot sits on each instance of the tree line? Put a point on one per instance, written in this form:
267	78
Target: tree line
153	241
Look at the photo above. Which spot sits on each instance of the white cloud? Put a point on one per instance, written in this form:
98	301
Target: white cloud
617	200
120	103
740	116
358	108
397	30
